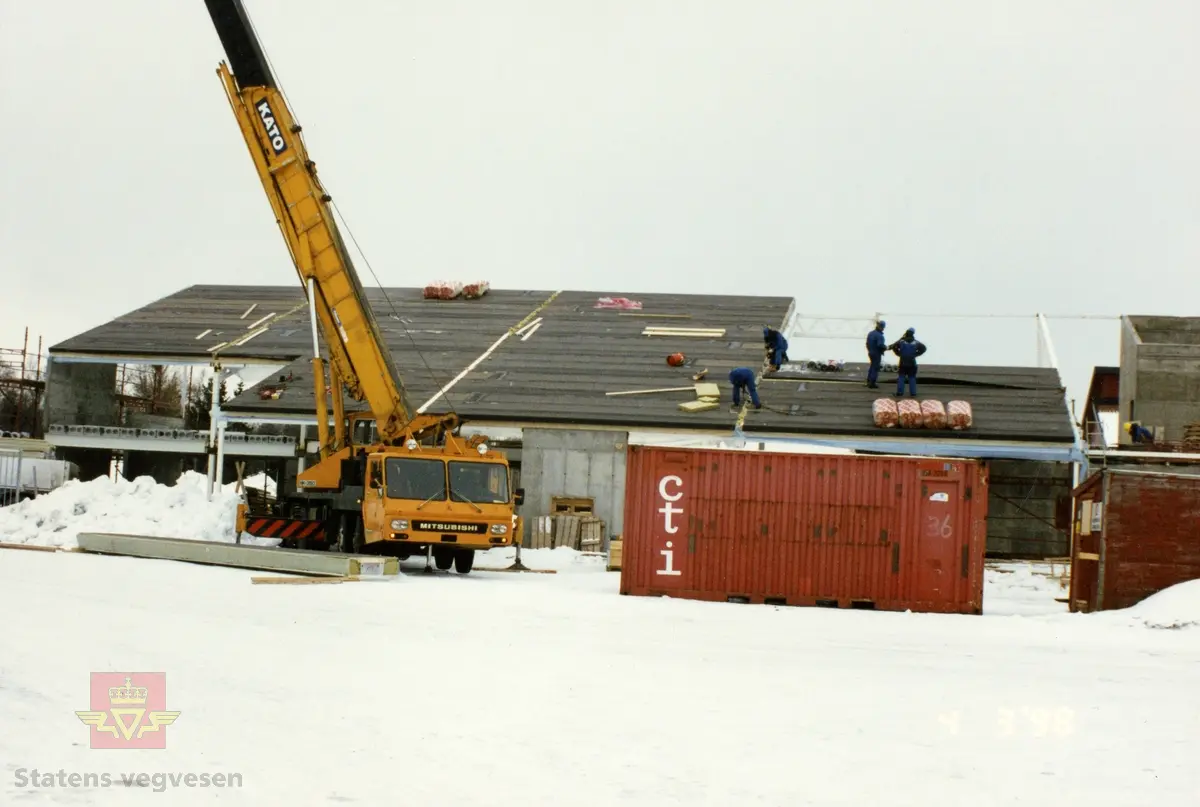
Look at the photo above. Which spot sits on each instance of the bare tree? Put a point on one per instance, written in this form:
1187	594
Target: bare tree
161	389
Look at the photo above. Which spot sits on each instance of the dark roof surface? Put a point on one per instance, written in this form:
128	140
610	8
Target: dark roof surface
1007	403
560	373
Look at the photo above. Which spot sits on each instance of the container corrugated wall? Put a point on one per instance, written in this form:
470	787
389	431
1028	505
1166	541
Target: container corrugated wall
805	529
1135	533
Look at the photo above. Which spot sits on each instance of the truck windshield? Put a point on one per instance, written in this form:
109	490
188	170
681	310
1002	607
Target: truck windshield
478	482
415	479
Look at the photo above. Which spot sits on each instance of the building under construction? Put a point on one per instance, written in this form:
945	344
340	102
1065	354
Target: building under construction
564	396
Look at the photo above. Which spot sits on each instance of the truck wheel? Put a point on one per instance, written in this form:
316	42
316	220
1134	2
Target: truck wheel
358	541
443	558
464	559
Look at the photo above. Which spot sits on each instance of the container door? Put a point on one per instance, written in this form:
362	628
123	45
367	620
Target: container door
374	514
939	546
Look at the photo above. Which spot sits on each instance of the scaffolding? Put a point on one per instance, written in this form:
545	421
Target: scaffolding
22	389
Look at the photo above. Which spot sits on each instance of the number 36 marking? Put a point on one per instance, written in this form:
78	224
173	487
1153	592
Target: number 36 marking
938	527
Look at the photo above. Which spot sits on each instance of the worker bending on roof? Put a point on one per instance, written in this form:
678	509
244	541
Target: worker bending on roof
742	378
1139	433
908	349
876	347
777	346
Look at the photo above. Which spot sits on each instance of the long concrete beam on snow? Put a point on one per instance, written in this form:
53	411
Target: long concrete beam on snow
241	556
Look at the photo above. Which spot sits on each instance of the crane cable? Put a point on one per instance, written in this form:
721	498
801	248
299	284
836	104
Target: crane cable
395	313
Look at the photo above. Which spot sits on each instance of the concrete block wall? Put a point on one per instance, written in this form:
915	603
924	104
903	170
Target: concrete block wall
1022	499
564	462
1160	373
81	394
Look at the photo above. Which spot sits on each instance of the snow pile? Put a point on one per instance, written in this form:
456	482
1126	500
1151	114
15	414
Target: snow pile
259	481
1023	588
138	507
1171	609
561	559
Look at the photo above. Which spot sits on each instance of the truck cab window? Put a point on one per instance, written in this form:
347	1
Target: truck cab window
478	482
419	479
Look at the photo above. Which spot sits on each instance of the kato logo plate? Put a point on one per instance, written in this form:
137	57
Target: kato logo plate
271	126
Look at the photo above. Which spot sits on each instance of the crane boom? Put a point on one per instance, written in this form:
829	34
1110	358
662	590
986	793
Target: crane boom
419	487
358	356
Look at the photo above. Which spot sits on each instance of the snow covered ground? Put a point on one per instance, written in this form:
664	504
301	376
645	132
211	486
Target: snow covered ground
532	689
507	689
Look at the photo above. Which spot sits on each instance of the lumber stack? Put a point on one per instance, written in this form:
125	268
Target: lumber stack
708	396
680	332
579	532
1191	436
614	554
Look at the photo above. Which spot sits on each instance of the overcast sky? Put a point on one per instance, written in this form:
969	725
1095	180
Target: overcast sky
907	157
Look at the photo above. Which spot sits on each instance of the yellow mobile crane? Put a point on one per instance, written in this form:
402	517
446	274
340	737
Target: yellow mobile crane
405	483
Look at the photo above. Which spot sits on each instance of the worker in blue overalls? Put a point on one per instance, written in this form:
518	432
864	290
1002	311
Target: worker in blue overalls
1139	433
777	346
742	378
908	349
876	347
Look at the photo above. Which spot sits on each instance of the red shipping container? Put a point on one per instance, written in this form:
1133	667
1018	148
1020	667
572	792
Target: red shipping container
1136	532
892	533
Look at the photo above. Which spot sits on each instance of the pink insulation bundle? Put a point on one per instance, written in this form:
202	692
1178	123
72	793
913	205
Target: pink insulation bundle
908	411
618	302
933	413
442	290
473	291
886	416
959	414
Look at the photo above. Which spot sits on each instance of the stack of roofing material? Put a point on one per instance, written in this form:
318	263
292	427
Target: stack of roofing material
473	291
909	414
933	414
959	415
886	415
443	290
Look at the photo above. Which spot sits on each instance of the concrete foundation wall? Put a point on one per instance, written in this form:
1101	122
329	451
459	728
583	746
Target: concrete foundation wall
1022	499
81	394
581	463
163	468
93	463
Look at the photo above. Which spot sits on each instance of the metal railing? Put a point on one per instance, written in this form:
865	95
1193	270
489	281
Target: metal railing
10	477
167	434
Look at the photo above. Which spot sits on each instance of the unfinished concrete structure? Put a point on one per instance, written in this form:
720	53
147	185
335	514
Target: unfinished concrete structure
542	395
1160	375
567	463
